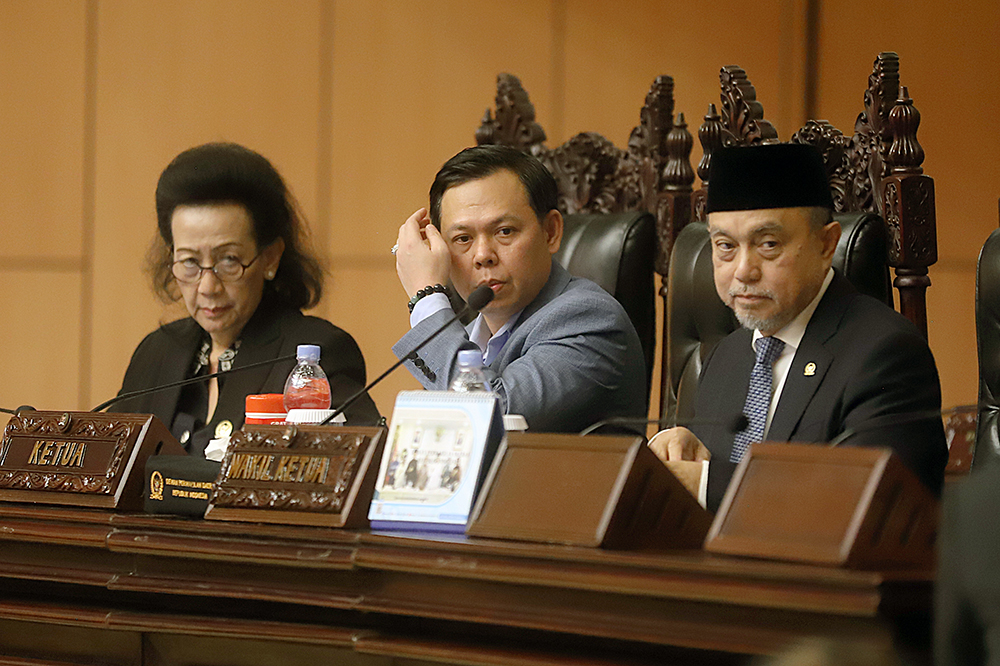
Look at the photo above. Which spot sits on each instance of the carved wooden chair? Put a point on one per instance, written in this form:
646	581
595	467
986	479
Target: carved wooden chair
875	175
882	199
623	207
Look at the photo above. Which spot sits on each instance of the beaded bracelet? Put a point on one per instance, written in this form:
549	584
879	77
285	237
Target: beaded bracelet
426	291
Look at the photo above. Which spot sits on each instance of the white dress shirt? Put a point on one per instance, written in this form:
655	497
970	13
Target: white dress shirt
791	334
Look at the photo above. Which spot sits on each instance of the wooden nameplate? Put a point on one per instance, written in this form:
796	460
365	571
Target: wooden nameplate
298	475
603	491
80	458
857	507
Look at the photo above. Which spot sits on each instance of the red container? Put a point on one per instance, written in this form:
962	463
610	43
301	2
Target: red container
265	408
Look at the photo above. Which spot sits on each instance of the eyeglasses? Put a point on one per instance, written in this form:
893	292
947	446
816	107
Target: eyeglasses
227	269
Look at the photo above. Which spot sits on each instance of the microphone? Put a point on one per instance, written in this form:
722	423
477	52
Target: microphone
191	380
885	421
22	408
736	423
477	300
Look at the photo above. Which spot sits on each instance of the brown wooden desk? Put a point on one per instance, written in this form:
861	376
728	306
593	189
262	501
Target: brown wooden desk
87	586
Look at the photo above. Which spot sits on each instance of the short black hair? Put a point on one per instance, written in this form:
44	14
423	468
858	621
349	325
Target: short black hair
482	161
218	173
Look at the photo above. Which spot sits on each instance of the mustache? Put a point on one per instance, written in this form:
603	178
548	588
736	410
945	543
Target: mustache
747	291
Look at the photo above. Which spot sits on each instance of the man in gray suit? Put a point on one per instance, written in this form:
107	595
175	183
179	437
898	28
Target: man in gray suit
557	349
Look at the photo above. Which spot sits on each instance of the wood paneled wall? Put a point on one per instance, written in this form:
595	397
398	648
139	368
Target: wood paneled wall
358	102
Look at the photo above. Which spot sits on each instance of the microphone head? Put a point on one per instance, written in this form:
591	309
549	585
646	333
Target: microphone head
479	298
739	423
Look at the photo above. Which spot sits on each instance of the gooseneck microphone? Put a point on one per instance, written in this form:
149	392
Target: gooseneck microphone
736	423
477	300
22	408
885	421
191	380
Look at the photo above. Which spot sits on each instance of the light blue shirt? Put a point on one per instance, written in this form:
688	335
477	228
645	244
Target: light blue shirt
491	345
479	332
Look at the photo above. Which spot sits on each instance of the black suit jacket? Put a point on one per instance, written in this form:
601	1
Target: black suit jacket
167	355
873	374
967	593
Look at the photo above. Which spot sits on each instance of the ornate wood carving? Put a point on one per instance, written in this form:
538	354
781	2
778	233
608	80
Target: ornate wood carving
80	458
674	206
298	475
710	136
909	211
48	427
742	115
514	123
858	164
960	433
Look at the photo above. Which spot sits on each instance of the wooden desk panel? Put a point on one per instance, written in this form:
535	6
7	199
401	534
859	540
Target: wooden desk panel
441	600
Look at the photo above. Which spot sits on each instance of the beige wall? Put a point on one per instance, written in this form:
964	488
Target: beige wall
359	102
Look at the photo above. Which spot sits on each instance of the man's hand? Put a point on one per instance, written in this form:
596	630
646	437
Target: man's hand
678	444
422	257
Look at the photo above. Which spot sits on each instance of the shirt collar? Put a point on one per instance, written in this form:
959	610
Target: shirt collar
479	333
792	332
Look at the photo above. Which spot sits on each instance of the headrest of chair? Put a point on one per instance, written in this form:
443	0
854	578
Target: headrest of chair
779	175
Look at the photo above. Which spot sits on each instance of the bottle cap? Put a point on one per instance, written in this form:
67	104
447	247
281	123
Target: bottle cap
265	408
310	416
273	403
307	352
470	358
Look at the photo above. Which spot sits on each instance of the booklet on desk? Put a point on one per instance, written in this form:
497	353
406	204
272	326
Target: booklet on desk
439	449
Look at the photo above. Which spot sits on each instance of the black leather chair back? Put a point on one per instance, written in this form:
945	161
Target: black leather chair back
988	336
617	251
697	319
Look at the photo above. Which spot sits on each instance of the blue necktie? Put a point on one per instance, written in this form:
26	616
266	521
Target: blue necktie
758	397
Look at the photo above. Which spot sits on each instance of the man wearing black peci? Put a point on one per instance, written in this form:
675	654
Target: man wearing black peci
814	359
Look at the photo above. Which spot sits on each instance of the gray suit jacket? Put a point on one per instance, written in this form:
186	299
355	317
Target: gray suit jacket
860	367
572	359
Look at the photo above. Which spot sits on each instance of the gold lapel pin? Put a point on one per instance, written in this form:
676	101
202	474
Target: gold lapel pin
810	370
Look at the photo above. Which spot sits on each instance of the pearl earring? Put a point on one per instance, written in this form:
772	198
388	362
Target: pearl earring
270	275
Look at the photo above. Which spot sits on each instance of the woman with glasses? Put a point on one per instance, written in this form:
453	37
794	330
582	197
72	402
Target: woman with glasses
231	247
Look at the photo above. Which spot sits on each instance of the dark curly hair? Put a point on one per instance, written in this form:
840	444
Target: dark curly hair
229	173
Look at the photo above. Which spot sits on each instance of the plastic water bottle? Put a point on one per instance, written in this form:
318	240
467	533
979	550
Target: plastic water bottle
470	375
307	386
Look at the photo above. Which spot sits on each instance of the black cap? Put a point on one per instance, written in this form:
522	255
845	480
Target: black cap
777	175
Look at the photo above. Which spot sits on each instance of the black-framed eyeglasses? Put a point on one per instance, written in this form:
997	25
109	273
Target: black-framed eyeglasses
227	269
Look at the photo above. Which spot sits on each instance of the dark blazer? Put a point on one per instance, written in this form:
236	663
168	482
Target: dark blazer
874	375
967	592
573	357
167	355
